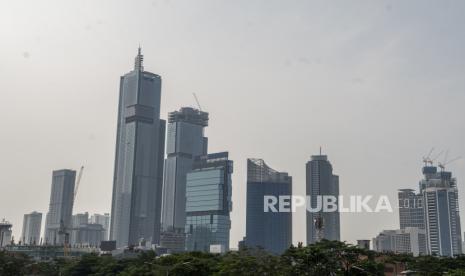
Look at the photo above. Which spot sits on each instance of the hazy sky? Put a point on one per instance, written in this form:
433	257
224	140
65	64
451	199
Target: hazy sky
375	83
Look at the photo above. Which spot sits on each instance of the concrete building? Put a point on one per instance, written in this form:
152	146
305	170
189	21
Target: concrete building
271	231
185	141
363	244
84	233
60	207
103	220
138	174
321	181
408	240
32	224
208	203
441	208
5	233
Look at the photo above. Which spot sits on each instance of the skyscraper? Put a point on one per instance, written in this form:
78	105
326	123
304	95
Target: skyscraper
270	230
441	208
61	206
32	224
185	141
411	212
140	142
208	203
321	181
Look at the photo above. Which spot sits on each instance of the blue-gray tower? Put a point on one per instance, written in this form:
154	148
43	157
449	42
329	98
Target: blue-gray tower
271	231
140	142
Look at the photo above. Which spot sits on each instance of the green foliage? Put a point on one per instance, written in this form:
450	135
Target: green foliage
324	258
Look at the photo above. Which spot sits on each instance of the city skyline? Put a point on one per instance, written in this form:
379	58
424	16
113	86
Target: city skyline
390	87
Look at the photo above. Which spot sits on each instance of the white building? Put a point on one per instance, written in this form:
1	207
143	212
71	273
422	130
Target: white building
32	224
408	240
5	233
103	220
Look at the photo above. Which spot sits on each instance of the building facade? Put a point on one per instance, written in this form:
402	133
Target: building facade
185	141
5	233
407	240
208	203
103	220
32	224
61	206
271	231
321	181
441	211
411	211
138	174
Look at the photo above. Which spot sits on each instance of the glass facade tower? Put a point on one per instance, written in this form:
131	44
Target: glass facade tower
320	180
61	206
271	231
138	174
185	141
208	203
441	212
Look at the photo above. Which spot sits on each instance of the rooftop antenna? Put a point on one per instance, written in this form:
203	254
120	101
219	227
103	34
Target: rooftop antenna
197	101
320	150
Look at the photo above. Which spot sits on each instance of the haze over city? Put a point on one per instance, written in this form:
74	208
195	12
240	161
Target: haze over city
375	84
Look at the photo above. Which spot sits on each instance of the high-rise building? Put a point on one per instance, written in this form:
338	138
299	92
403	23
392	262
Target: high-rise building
5	233
61	206
411	212
271	231
140	143
208	203
103	220
185	141
86	233
407	240
320	181
441	208
32	224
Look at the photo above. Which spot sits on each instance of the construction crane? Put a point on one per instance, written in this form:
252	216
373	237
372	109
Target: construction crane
443	164
426	159
197	101
78	180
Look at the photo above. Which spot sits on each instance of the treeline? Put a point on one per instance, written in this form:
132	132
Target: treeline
324	258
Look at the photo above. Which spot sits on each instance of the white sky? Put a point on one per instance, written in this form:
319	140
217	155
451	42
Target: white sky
376	83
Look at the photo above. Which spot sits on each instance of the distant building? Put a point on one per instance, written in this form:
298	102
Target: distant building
84	233
408	240
103	220
140	143
185	141
79	219
32	224
61	206
271	231
411	212
363	244
321	181
208	203
5	233
441	207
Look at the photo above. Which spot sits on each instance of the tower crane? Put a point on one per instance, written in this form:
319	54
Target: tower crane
197	101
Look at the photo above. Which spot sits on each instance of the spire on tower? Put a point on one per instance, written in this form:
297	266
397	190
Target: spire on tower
138	63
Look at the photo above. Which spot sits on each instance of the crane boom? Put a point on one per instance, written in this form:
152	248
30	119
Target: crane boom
197	101
78	180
